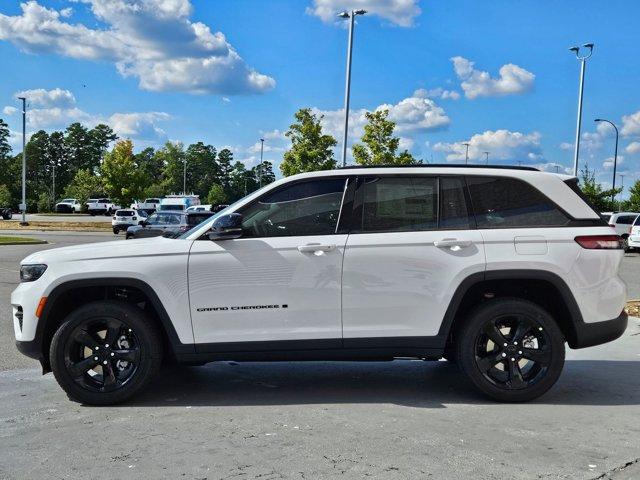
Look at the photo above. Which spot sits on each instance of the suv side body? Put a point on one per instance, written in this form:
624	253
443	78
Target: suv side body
356	263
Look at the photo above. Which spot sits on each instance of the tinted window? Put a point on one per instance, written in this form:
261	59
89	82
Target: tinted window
125	213
507	202
605	217
307	208
400	204
453	206
626	219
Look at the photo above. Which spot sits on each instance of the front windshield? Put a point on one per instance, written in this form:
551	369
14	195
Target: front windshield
68	200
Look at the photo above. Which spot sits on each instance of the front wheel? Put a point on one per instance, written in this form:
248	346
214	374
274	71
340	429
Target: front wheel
512	350
105	352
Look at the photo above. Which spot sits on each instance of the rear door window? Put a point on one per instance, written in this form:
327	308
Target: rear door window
501	202
625	219
454	213
399	204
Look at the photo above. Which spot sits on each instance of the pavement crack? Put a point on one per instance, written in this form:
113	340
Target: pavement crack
607	474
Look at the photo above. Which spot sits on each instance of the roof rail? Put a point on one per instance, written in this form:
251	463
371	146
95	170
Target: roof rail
444	165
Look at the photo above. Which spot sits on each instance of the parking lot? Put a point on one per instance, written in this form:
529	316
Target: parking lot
403	419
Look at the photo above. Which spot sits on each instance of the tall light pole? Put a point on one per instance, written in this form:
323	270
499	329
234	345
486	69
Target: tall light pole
184	177
622	175
347	90
583	65
486	158
23	205
466	156
260	168
615	156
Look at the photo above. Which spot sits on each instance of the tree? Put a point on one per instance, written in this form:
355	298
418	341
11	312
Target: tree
38	168
202	169
634	198
123	182
263	173
5	196
77	143
85	185
216	195
225	159
241	182
5	148
601	199
149	164
311	150
380	146
99	138
172	157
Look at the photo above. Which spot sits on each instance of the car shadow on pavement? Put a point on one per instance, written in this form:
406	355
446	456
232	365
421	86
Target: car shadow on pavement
408	383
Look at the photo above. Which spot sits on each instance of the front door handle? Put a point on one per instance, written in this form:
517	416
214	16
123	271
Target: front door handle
315	248
453	243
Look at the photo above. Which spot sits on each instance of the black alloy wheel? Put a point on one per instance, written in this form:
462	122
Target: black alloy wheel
511	349
104	352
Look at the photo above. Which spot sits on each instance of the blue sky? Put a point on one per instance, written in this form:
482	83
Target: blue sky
494	73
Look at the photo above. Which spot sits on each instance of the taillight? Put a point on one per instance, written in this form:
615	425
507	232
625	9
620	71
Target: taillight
630	228
114	217
612	225
134	218
599	242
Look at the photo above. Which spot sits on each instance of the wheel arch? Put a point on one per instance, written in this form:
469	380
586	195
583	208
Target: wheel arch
74	293
539	286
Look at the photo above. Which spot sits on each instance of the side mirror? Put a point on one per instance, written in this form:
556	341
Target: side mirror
226	227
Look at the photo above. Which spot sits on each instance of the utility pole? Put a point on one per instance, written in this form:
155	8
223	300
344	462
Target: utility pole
466	156
53	187
184	177
23	205
347	90
583	66
615	156
260	168
486	159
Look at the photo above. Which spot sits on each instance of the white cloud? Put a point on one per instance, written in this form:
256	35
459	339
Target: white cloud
566	146
476	83
553	168
57	109
633	148
398	12
608	163
9	110
438	92
501	145
631	125
416	113
151	40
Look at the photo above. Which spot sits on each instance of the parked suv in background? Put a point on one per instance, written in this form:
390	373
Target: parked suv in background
68	205
167	223
633	242
621	222
493	268
127	217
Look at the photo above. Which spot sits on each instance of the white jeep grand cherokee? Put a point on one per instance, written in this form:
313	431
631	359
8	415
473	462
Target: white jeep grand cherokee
492	268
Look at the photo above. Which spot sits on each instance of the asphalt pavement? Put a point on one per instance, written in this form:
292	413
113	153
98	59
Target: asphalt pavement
387	420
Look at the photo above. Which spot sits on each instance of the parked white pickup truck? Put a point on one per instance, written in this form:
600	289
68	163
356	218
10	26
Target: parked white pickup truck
150	205
102	206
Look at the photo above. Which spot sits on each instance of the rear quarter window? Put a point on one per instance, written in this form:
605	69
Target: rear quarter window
501	202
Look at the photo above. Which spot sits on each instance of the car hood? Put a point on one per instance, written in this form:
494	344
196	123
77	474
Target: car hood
107	250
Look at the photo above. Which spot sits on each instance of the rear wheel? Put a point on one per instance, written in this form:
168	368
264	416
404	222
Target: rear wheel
511	349
116	231
105	352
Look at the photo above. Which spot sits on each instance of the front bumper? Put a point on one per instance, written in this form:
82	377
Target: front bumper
597	333
634	241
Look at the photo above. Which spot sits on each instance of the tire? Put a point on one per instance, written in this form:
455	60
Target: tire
506	373
116	231
625	243
79	337
128	236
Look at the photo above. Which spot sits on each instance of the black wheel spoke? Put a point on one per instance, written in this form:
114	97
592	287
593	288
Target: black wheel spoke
113	330
78	369
129	355
487	363
109	376
494	334
521	330
515	375
86	339
537	355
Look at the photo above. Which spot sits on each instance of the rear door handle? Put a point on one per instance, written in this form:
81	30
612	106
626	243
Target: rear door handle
315	248
453	243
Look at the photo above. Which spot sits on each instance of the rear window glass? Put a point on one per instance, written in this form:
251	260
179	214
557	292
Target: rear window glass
606	218
125	213
500	202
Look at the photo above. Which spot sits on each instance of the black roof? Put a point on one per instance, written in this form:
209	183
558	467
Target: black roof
444	165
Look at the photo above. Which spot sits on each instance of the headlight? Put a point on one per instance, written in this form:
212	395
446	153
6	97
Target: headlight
30	273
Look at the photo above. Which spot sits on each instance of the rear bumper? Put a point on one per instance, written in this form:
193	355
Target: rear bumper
590	334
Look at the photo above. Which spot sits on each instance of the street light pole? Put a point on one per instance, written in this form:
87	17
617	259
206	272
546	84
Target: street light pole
23	205
260	168
184	177
466	156
583	66
615	157
347	90
486	159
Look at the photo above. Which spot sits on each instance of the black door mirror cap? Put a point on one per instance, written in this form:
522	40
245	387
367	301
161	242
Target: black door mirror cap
226	227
